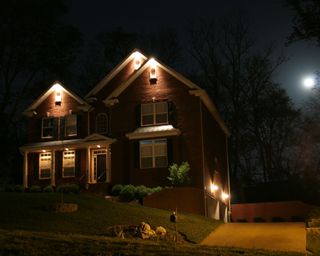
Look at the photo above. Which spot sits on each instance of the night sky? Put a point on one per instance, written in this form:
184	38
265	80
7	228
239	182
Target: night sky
270	19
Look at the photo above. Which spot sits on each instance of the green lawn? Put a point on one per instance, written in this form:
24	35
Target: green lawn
42	243
33	211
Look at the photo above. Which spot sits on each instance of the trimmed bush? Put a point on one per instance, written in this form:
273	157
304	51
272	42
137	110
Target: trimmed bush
259	219
18	188
69	188
128	192
116	189
156	189
48	189
35	189
141	192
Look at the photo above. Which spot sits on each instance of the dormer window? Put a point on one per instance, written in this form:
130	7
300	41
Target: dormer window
102	123
47	127
71	125
154	113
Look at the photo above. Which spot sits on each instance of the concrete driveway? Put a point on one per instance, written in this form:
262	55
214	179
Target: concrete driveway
284	236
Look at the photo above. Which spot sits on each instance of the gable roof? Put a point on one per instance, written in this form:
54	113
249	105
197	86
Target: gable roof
115	71
56	85
194	90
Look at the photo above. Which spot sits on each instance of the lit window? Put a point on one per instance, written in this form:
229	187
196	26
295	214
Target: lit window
154	113
47	127
71	125
102	123
45	165
68	164
153	153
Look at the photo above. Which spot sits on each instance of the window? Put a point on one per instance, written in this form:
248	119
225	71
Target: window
102	123
45	165
154	113
153	153
68	163
47	127
71	125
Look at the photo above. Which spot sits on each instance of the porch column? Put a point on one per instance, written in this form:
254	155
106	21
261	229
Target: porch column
25	169
88	165
53	168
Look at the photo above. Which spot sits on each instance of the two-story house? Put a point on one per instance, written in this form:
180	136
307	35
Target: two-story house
139	119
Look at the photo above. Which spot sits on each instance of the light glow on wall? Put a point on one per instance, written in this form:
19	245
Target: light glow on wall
153	65
57	89
224	196
137	60
213	187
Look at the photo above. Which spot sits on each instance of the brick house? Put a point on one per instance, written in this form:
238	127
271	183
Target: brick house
139	119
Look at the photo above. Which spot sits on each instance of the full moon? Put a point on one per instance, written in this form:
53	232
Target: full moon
309	82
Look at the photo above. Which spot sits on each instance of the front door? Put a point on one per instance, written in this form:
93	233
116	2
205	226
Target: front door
99	165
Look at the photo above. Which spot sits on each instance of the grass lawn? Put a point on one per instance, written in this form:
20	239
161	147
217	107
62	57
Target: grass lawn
42	243
33	211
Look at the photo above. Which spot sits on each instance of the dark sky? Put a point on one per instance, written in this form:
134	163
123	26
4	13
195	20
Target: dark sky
271	21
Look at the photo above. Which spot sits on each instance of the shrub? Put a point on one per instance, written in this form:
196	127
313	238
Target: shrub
278	219
156	189
116	189
35	189
18	188
259	219
179	174
68	188
128	192
141	192
48	189
9	188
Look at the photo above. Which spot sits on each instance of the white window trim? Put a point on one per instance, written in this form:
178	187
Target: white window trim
74	163
65	126
154	114
46	137
153	154
40	155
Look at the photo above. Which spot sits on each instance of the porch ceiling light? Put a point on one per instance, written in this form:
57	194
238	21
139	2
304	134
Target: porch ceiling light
137	60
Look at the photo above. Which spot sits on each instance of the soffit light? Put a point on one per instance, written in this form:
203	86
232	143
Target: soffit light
224	196
213	187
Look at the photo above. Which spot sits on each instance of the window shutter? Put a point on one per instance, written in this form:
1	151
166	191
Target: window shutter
39	127
36	165
170	151
55	128
138	115
172	113
80	126
77	163
62	127
59	164
136	154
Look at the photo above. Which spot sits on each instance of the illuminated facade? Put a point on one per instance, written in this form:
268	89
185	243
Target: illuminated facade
139	119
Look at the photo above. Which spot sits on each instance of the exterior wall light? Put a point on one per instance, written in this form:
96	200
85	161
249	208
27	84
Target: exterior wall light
57	89
137	60
213	187
153	73
224	196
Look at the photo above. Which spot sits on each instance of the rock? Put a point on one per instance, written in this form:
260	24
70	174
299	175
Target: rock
161	231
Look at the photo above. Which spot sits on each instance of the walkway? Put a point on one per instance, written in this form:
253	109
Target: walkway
284	236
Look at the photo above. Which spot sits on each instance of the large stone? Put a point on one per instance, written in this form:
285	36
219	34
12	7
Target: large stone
66	207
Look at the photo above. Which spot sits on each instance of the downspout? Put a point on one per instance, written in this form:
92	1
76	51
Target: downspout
229	190
202	153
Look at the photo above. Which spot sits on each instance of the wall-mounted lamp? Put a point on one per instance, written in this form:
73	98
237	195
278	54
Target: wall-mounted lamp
137	60
153	73
98	146
213	187
224	196
57	90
